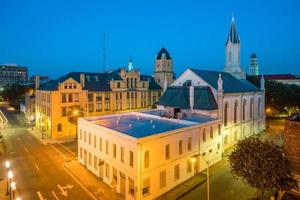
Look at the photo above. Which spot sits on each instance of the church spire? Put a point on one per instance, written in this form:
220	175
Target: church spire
233	36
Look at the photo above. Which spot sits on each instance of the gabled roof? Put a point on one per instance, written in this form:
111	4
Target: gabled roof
164	52
179	96
233	36
230	83
95	81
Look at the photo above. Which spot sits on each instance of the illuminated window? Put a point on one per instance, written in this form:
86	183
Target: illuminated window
106	147
114	150
59	127
189	143
211	133
100	144
130	158
180	147
146	187
176	172
95	162
204	135
90	138
95	141
122	154
167	151
106	170
188	166
162	179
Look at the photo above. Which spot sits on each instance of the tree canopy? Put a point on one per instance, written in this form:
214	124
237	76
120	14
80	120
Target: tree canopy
262	165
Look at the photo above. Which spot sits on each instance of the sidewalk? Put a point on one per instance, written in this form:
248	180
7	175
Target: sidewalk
38	135
93	184
187	186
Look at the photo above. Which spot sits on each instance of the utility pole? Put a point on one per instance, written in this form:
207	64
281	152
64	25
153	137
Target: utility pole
104	52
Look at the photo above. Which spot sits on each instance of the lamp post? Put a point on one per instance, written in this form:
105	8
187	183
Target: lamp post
7	165
42	124
9	177
32	119
13	189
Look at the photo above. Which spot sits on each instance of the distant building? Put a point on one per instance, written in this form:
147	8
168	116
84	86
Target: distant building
142	155
163	69
60	102
10	74
233	53
219	95
289	79
253	67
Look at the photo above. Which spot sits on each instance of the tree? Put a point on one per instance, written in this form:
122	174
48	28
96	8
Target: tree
262	165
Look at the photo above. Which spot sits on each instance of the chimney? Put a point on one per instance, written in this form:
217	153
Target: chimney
37	81
192	97
82	80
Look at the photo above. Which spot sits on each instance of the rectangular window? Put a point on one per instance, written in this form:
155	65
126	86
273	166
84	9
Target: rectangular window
63	111
95	162
131	189
115	176
180	147
90	159
91	107
146	186
80	153
95	141
219	129
70	97
100	144
146	159
114	150
80	134
90	138
167	151
204	135
162	179
106	147
122	154
107	170
189	143
84	136
63	97
76	97
211	133
176	172
130	158
90	97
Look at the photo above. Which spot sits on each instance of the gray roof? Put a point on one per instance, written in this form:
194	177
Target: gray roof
95	81
179	96
233	36
230	83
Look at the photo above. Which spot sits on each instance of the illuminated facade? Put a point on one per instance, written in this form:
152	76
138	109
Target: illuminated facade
239	103
142	155
60	102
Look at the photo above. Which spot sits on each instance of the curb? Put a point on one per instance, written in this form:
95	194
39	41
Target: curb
92	195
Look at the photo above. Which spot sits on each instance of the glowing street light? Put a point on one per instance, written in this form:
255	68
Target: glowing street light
9	177
7	164
75	112
13	189
32	120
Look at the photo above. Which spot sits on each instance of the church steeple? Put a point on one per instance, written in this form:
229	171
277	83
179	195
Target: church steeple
233	53
130	64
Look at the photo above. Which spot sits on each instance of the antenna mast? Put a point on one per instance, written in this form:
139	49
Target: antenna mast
104	52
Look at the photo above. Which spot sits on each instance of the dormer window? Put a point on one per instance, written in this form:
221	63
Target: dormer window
66	85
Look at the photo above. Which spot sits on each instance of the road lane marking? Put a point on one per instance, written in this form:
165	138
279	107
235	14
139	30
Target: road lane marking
81	184
55	195
64	189
66	148
25	149
40	196
59	152
37	167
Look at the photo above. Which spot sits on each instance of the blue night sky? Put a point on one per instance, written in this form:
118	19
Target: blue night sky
55	37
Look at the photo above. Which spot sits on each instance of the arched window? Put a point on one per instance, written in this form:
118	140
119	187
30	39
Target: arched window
251	108
131	83
204	135
235	112
135	82
229	56
59	127
225	114
244	109
259	107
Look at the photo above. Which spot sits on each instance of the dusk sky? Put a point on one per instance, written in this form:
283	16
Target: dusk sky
56	37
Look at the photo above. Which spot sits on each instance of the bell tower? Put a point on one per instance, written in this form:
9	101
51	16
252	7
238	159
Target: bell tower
233	53
163	70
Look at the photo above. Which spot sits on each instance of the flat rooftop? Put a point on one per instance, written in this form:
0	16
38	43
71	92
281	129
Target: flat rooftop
143	124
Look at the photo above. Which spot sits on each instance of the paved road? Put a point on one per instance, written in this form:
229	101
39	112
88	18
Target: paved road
38	169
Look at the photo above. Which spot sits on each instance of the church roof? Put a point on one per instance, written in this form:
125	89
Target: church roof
253	55
164	52
230	83
233	36
95	81
179	96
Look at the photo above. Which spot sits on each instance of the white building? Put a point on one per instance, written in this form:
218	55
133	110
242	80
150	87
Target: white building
143	154
239	103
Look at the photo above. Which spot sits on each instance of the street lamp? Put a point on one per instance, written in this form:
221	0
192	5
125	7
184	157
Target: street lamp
13	189
9	177
42	124
32	119
7	165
